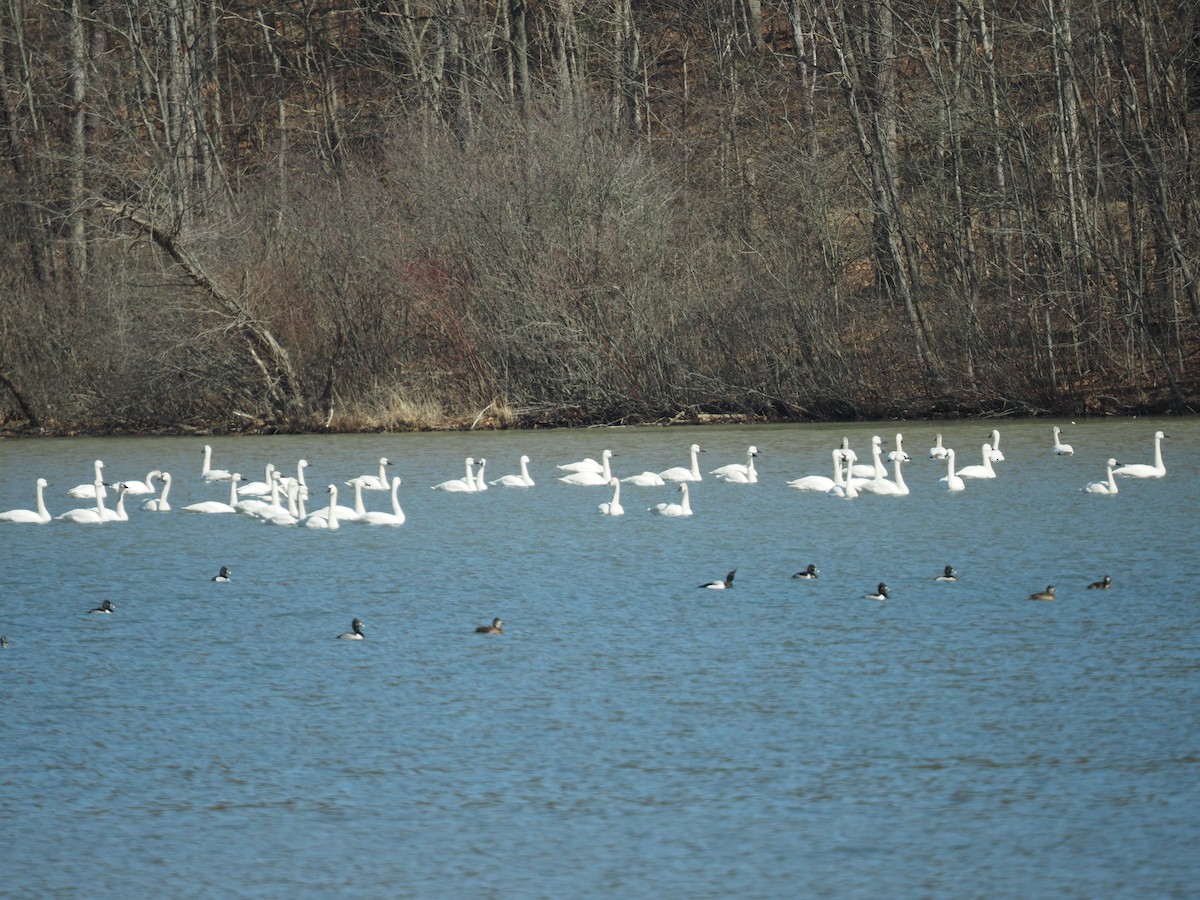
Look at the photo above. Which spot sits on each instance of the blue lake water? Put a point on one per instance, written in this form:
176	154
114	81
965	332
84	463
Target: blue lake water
629	734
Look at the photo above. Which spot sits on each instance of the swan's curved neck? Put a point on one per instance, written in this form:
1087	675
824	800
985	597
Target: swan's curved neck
395	497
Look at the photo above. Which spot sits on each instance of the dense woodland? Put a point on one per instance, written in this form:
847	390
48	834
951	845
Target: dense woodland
392	214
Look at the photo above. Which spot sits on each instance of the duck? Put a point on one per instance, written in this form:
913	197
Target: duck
497	627
159	503
464	485
104	608
354	634
951	481
1059	448
725	584
208	473
1102	585
948	574
589	478
1047	594
682	508
39	516
92	490
522	480
613	507
682	473
984	469
808	572
738	473
1142	470
1107	487
880	593
395	517
224	576
937	451
3	642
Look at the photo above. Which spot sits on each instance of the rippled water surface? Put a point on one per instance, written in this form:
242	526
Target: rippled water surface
628	734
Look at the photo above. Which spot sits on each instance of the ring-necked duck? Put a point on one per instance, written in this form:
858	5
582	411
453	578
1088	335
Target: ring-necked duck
495	628
948	574
1047	594
881	593
810	572
3	642
223	575
354	635
720	585
1101	585
105	607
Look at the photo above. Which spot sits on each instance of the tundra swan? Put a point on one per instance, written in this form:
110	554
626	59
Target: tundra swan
950	481
465	485
1141	470
91	515
517	481
345	513
208	473
997	456
886	488
721	585
845	488
118	514
395	517
820	482
937	451
984	470
379	482
592	478
739	473
613	507
328	518
1108	486
899	452
1059	447
680	473
497	627
89	491
862	470
682	508
216	506
37	516
480	484
260	488
645	479
139	488
584	465
354	634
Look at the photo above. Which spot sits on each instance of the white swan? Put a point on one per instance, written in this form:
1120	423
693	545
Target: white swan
899	452
118	514
1059	447
739	473
344	513
379	482
464	485
480	484
681	474
328	518
159	503
140	488
844	486
517	481
593	479
584	465
984	470
885	488
682	508
937	451
293	513
92	515
820	483
1141	470
613	507
288	481
260	488
644	479
208	473
997	456
216	506
37	516
950	481
90	491
260	508
1108	486
395	517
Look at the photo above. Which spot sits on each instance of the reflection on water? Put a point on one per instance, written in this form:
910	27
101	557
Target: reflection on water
628	734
